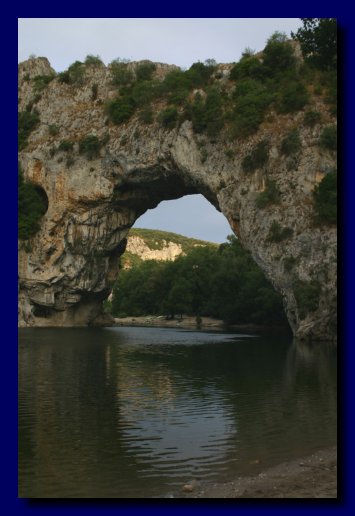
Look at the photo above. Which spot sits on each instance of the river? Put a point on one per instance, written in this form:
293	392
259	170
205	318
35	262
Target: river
138	412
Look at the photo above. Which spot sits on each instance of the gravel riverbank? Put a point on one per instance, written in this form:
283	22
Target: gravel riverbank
314	476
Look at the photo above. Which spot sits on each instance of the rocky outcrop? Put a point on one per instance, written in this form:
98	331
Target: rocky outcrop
169	250
66	270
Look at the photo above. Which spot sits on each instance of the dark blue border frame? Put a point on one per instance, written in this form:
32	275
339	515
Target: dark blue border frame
10	503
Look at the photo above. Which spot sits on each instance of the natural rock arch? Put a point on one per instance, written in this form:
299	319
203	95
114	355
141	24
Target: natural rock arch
67	269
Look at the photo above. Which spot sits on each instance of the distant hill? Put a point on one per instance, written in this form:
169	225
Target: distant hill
153	244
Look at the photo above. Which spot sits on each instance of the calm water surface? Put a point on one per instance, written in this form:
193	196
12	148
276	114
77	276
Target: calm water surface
138	412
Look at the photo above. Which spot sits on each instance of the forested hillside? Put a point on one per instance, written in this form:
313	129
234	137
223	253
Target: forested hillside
217	281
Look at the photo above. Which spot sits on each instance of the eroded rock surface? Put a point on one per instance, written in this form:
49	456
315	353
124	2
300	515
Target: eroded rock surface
67	268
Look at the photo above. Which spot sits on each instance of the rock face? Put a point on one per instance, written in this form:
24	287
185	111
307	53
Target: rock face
66	270
170	250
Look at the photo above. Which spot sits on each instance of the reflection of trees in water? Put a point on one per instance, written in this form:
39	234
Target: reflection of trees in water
82	390
297	412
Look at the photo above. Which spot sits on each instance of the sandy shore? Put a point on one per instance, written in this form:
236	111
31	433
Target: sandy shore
314	476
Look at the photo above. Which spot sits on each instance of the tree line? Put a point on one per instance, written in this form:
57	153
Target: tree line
222	282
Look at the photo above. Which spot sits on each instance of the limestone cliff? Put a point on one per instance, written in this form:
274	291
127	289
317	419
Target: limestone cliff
66	270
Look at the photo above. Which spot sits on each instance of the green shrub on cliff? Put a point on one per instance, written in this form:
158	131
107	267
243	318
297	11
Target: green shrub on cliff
40	82
325	199
168	117
271	194
291	144
75	74
307	296
27	122
92	60
328	138
145	71
120	110
278	233
257	158
90	146
121	73
32	205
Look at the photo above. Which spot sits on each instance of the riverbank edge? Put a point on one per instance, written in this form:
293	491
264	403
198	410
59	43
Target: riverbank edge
189	323
313	476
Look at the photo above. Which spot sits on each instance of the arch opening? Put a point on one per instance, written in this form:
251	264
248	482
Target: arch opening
165	275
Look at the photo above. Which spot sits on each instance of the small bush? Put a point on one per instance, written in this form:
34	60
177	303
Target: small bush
27	122
251	102
328	138
53	130
120	110
278	54
311	118
325	199
145	71
271	195
74	75
146	115
293	97
121	74
278	233
70	162
307	296
229	153
143	92
66	146
94	91
199	74
40	82
257	158
289	263
90	147
248	66
291	144
91	60
168	117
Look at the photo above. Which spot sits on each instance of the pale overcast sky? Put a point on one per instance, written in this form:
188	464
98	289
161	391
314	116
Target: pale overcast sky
180	41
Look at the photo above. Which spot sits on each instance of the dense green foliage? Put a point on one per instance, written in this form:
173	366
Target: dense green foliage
121	73
40	82
221	282
278	55
328	138
271	80
292	97
120	109
74	75
318	39
32	205
145	71
93	60
27	122
325	199
307	296
168	117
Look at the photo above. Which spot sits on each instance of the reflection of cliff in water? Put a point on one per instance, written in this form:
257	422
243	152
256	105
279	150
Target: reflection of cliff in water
106	412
